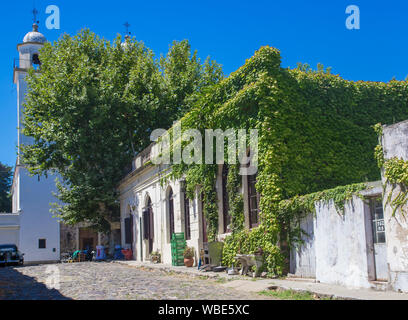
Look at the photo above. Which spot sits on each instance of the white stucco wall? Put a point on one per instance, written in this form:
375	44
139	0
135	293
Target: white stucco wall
9	229
395	144
36	220
32	196
133	194
195	226
340	244
338	247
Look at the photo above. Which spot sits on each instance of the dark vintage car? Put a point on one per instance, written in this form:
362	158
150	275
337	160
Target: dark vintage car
9	255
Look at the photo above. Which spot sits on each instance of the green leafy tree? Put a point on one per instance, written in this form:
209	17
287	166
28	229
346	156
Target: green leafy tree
5	184
185	77
92	108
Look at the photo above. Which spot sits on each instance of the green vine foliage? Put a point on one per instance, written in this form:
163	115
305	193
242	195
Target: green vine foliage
378	150
315	133
287	212
204	177
236	203
249	241
396	173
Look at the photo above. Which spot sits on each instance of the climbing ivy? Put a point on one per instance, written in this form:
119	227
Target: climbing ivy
378	150
236	204
395	174
289	211
315	133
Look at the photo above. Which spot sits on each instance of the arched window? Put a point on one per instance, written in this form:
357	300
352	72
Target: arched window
171	212
129	228
36	63
36	59
187	224
225	199
148	223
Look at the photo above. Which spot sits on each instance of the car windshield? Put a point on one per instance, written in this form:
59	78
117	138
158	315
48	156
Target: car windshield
8	247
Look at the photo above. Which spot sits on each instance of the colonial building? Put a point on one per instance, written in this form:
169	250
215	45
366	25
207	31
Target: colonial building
152	212
366	246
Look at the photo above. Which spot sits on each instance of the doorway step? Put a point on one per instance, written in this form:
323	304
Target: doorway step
379	285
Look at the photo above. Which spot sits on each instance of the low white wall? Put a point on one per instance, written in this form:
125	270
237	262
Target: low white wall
9	219
335	247
341	245
36	220
395	144
9	228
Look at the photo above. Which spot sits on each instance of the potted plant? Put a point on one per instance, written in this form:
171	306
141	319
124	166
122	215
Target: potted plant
188	256
155	257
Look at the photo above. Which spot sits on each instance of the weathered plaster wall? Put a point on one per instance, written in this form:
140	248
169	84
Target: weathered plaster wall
341	245
338	247
395	144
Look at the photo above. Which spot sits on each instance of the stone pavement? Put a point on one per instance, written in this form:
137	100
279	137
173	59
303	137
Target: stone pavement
168	268
321	289
108	280
134	280
247	284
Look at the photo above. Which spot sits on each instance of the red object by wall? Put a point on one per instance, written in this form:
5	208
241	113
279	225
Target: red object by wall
128	254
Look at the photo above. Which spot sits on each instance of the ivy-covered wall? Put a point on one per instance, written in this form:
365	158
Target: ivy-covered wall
315	132
395	173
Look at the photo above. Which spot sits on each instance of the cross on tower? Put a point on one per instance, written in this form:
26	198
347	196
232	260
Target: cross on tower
35	12
127	25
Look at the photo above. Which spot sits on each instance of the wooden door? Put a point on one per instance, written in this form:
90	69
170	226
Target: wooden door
151	229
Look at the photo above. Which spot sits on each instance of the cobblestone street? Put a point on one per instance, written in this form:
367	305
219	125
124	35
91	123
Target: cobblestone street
104	280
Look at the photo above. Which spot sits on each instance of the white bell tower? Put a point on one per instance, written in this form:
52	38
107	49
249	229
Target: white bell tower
39	235
28	58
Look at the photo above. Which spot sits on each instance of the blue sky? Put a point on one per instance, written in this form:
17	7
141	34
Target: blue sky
228	31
